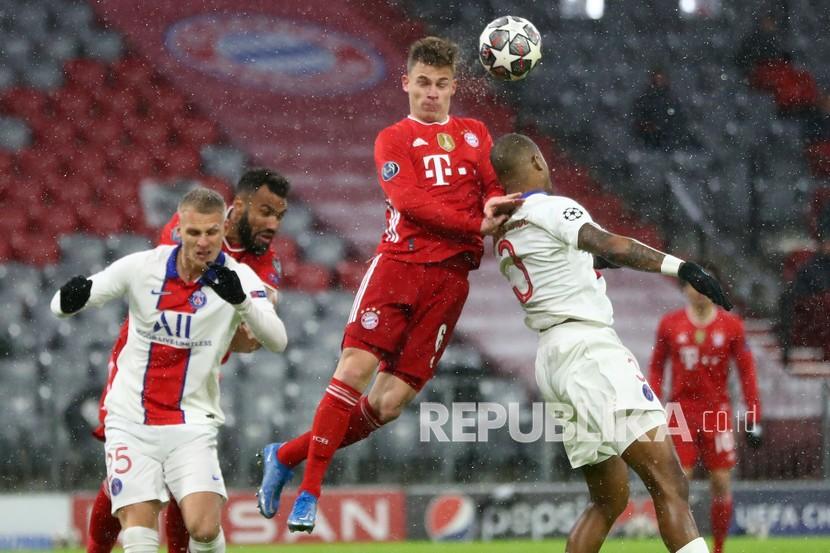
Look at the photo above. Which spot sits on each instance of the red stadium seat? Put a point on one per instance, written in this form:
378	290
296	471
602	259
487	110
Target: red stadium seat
87	73
133	162
181	161
105	132
196	131
37	162
121	102
24	102
54	132
350	274
73	103
150	133
220	185
6	252
287	250
307	277
6	164
29	248
133	71
794	261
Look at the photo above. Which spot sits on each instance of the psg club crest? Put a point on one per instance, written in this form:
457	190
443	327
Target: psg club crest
198	299
116	486
282	55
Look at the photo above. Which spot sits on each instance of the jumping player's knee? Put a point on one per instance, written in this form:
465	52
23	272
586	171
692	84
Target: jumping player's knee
389	408
356	367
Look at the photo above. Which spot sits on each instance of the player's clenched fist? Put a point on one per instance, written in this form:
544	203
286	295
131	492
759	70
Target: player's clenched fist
704	283
75	294
226	284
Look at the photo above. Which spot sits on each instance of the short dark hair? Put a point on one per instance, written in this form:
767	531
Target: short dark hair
508	154
254	179
203	200
434	51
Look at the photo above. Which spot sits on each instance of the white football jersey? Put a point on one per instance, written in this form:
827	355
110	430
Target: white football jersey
553	280
168	370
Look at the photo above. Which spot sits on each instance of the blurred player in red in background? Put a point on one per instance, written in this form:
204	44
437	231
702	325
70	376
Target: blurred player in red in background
253	220
442	198
700	340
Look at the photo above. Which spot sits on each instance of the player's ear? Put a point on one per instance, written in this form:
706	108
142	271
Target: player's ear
454	86
405	82
537	162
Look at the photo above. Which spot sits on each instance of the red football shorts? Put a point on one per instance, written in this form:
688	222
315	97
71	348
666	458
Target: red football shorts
405	313
712	438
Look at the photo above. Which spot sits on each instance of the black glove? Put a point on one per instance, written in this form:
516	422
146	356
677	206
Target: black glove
602	263
753	436
704	283
226	284
75	294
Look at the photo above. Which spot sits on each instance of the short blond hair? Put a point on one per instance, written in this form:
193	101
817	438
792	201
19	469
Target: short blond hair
203	200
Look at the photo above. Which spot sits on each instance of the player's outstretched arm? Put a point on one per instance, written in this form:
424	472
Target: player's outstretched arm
72	296
632	253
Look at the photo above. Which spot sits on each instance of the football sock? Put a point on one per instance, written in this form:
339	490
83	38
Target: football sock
330	424
174	529
695	546
215	546
103	527
721	517
138	539
362	421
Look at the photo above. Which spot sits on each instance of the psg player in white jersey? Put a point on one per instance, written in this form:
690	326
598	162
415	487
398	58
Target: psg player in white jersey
185	304
581	366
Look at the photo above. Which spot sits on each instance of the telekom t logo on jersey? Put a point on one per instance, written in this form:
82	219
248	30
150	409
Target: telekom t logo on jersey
438	166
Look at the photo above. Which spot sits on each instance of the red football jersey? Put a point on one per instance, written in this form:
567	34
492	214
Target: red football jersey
266	266
436	178
700	360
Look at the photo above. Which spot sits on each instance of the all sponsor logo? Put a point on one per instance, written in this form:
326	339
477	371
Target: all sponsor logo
287	56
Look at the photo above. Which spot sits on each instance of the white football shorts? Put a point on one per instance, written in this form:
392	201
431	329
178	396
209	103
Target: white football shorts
594	388
144	462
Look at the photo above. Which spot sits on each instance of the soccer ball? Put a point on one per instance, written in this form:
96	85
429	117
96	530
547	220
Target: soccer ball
509	48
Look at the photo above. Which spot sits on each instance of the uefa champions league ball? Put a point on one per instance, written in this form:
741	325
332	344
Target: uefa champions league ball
509	48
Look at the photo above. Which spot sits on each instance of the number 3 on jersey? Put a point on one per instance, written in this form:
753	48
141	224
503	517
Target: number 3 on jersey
505	247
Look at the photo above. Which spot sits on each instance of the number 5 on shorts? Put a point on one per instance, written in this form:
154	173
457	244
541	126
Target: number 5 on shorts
122	461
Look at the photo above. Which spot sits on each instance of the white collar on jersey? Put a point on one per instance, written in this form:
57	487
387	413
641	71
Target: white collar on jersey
444	122
225	240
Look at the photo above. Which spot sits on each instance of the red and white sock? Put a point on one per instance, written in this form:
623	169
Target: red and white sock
721	518
103	527
363	420
330	425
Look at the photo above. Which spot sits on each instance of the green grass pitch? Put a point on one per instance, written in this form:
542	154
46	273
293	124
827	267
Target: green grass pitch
615	545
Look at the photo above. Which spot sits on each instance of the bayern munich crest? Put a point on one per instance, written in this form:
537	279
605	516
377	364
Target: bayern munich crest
282	55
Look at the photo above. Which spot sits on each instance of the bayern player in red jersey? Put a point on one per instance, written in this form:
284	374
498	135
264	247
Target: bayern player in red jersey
442	198
253	220
699	340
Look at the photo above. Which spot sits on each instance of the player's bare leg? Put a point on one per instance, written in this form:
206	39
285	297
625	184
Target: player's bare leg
608	487
721	510
202	513
656	463
140	524
389	396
